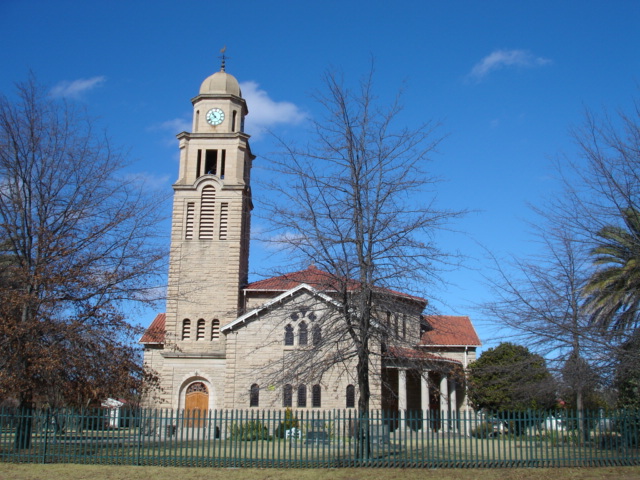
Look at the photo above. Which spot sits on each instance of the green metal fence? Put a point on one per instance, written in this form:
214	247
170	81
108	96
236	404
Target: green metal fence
237	438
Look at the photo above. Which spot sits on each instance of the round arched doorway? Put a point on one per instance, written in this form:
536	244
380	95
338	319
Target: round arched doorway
196	404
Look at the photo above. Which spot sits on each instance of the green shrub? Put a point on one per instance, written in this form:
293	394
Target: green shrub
249	431
290	421
484	430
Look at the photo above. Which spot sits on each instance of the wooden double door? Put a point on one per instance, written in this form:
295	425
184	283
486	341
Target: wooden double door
196	405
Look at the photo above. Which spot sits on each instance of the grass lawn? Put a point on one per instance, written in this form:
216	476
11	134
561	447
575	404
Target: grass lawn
86	472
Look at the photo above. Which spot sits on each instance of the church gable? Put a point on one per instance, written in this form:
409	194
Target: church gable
279	306
275	345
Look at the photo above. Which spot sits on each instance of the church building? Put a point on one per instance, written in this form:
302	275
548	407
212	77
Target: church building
225	343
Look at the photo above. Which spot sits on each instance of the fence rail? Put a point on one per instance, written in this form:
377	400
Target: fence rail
236	438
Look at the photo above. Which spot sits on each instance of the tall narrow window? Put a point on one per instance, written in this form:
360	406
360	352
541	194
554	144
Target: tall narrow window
223	160
224	220
288	335
254	396
233	122
215	329
211	162
199	164
316	396
316	334
189	216
404	326
200	331
302	334
302	396
287	396
186	329
207	210
351	396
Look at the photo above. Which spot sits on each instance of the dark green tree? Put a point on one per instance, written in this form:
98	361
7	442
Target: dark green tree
627	375
511	378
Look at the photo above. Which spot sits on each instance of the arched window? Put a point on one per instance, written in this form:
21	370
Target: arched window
287	396
316	396
186	329
288	335
233	122
200	330
351	396
302	396
254	396
302	334
197	387
215	329
316	333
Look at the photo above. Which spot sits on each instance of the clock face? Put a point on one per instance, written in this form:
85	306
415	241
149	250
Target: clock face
215	116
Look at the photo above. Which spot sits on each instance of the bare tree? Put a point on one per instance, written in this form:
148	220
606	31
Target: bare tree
356	202
561	303
77	243
599	206
540	301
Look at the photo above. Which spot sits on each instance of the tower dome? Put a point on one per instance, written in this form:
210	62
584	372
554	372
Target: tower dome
220	83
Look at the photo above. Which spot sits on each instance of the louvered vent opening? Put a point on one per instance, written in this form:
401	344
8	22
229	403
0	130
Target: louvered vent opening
207	210
200	331
186	329
215	330
189	220
224	217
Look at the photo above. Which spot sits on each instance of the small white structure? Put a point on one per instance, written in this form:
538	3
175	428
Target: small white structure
112	418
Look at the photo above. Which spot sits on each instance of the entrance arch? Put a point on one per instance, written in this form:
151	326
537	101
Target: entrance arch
196	404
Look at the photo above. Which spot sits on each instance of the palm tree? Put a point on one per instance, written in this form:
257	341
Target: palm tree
613	292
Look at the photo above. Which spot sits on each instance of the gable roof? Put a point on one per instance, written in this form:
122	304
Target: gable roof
448	330
319	280
155	333
289	293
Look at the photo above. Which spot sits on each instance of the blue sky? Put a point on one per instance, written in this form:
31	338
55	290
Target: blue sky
506	79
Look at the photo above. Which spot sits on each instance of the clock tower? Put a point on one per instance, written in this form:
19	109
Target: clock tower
211	219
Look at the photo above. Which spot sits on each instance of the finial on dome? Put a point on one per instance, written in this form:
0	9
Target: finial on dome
223	57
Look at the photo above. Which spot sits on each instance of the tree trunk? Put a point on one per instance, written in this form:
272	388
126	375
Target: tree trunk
23	429
364	433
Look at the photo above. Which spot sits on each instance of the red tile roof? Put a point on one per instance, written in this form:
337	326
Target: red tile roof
416	354
449	330
312	276
155	332
316	278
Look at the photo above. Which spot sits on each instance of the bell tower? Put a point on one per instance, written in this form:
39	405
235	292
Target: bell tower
211	219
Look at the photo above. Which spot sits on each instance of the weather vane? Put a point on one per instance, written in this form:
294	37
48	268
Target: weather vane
223	57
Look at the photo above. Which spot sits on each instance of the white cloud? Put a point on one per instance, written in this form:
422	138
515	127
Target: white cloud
174	126
75	88
171	128
265	113
506	58
150	180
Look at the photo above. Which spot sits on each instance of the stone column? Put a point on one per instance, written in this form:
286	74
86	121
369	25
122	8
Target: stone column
453	403
402	395
444	403
424	399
